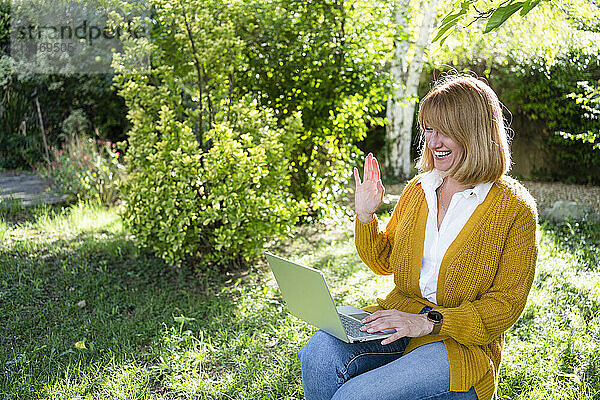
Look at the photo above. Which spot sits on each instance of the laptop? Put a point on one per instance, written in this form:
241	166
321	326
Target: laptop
308	298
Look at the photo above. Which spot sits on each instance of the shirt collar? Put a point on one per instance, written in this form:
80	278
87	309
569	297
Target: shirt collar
431	180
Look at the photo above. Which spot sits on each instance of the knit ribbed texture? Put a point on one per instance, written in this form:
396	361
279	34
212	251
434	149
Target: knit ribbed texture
484	278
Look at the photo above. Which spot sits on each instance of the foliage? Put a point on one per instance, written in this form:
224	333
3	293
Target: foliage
19	146
4	27
582	13
589	102
325	59
59	96
579	238
216	207
85	169
496	14
209	173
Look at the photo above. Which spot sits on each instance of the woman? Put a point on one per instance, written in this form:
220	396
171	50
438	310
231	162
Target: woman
461	244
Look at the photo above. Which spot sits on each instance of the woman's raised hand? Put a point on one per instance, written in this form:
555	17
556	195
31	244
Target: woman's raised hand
368	194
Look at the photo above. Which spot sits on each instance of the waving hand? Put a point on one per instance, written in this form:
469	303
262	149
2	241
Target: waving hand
368	194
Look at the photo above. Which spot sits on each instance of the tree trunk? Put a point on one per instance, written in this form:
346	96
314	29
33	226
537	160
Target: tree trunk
398	72
401	107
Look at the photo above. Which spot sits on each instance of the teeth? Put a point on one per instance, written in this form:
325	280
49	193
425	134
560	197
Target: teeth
441	153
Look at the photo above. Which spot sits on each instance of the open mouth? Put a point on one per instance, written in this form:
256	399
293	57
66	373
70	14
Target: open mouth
441	154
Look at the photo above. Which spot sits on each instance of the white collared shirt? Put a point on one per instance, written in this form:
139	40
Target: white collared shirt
462	205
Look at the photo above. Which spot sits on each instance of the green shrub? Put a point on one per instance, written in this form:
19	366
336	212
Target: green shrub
85	169
4	26
214	207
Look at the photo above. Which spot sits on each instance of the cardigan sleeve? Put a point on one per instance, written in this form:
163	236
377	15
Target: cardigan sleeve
481	321
375	247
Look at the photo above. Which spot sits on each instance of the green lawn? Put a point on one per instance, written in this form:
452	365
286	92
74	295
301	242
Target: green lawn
149	331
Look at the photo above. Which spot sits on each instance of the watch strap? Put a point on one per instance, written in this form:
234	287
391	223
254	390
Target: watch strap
436	318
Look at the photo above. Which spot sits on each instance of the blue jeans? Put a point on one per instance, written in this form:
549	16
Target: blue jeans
333	369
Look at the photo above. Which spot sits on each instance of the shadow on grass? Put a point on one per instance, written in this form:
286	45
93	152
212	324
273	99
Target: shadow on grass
13	213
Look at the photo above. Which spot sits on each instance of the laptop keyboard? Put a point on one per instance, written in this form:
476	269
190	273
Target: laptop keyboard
352	327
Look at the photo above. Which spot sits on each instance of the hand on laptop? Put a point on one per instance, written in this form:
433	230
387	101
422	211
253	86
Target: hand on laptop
368	194
405	324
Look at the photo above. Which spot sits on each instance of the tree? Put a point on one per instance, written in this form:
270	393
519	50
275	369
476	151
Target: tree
584	13
247	115
405	80
324	60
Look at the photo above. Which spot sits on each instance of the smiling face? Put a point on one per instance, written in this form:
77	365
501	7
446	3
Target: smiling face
463	131
446	151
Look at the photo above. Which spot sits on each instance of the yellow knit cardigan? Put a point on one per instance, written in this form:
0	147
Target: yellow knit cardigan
484	277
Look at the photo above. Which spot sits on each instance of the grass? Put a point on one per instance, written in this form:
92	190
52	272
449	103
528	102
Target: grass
149	331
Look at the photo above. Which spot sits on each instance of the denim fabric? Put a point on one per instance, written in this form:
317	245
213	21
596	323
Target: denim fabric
333	369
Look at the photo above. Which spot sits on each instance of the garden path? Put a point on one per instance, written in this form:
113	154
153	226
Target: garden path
26	188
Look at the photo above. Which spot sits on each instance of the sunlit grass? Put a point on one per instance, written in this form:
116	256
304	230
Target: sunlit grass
150	331
78	219
4	229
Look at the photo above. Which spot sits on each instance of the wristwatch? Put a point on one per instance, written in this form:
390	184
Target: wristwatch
436	317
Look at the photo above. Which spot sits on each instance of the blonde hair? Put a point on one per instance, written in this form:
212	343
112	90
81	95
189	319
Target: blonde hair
468	111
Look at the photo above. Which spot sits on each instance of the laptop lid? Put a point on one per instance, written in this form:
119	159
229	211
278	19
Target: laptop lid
307	295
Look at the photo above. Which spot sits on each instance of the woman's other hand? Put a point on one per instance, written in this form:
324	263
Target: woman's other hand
368	194
405	324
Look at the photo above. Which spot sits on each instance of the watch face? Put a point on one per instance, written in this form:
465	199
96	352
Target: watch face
435	316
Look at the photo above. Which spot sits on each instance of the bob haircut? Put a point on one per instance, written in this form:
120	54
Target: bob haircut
468	111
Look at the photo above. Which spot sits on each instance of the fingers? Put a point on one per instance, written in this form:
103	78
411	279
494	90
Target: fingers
375	168
377	314
356	177
371	171
380	189
405	324
392	338
385	319
382	323
379	326
378	321
367	167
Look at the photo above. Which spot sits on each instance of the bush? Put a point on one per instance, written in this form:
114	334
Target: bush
214	207
85	169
